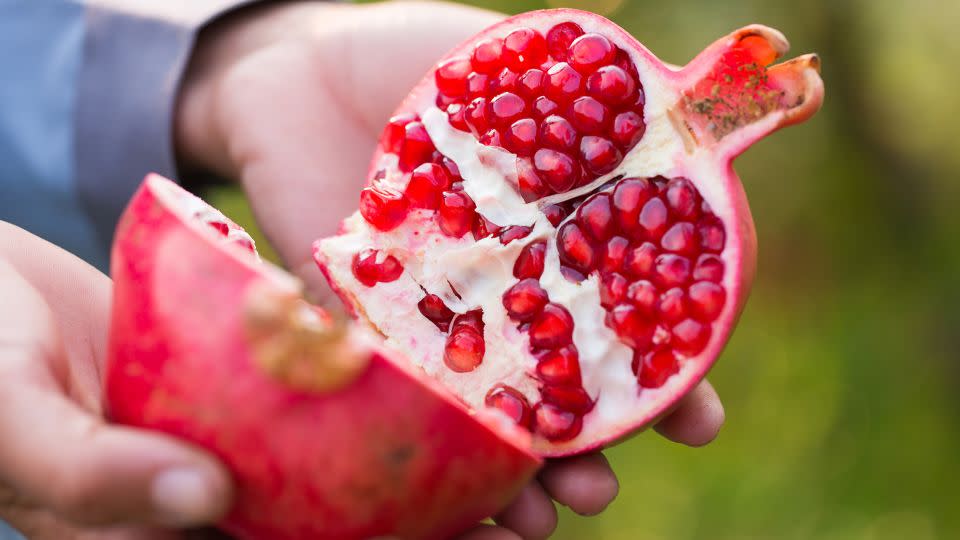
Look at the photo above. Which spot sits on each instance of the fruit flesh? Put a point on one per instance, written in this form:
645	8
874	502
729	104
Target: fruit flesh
652	277
384	451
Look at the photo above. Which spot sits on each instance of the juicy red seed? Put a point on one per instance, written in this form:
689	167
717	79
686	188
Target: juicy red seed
456	214
653	218
444	101
491	138
372	266
629	196
426	183
709	267
563	83
483	227
528	181
613	289
631	325
622	60
612	85
551	328
571	275
511	402
529	263
628	129
680	238
383	207
571	398
464	349
505	81
589	115
595	216
524	48
559	39
560	367
221	227
453	172
682	198
521	137
486	55
558	170
433	308
599	155
672	305
477	85
556	424
544	107
644	296
657	367
555	213
455	113
525	299
394	134
641	260
590	51
557	132
477	116
690	337
672	270
706	300
711	234
505	108
472	319
416	148
614	254
514	232
451	76
575	248
530	83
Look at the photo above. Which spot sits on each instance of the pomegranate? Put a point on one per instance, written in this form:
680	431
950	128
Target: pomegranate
328	433
630	250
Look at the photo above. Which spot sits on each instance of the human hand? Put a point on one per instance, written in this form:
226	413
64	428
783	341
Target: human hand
289	100
65	473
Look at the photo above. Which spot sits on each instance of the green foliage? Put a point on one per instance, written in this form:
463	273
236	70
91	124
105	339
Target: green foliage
842	420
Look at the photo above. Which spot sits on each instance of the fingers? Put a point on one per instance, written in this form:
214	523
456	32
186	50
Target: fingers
532	515
59	457
697	419
586	484
56	455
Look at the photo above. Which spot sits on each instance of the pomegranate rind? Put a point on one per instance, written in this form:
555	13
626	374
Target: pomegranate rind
391	453
698	150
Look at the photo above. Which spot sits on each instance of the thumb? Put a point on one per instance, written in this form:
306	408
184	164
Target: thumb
60	457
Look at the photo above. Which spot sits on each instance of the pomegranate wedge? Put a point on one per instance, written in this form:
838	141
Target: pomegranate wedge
329	434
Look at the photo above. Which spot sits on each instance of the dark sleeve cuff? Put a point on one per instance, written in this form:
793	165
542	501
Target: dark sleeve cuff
134	55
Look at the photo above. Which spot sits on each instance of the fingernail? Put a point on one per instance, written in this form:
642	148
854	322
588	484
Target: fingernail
184	496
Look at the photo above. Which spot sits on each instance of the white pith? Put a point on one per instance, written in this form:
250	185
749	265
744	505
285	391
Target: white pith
481	271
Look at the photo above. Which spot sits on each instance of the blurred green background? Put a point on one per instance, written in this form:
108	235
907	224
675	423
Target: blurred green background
843	419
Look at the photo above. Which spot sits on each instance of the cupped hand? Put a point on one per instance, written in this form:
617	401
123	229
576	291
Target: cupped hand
289	100
65	473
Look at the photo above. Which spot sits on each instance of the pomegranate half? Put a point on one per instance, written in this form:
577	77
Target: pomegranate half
328	433
552	225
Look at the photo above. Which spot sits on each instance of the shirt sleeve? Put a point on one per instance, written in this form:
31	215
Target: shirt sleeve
87	93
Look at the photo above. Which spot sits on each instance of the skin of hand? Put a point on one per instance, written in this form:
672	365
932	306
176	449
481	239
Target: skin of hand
289	99
64	472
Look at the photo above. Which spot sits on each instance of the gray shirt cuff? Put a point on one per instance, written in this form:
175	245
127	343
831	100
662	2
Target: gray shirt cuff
135	52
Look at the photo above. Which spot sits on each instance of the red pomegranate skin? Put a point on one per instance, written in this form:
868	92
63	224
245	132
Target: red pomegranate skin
390	453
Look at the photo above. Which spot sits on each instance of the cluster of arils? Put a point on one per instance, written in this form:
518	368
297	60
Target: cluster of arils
655	245
568	104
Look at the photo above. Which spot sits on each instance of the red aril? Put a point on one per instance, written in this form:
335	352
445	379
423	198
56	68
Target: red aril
327	432
631	247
